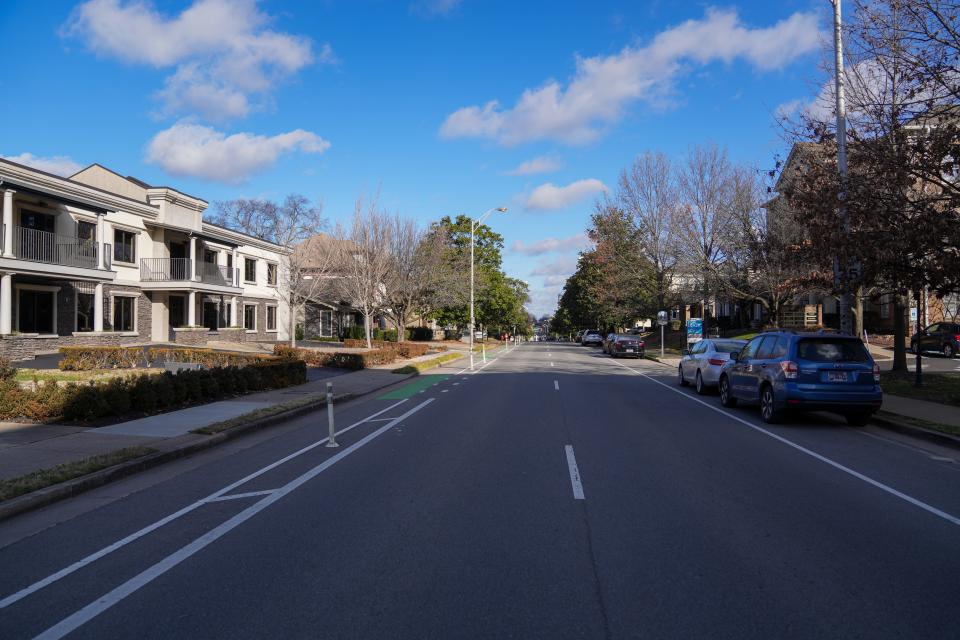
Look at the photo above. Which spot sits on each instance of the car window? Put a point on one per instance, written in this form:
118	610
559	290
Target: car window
765	350
728	347
699	348
934	328
832	350
779	350
751	348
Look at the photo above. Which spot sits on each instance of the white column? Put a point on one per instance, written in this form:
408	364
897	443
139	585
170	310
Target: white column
234	276
6	303
192	308
233	310
193	259
101	250
8	223
98	307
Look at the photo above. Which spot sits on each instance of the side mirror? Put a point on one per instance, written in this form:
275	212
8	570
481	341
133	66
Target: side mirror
685	352
735	356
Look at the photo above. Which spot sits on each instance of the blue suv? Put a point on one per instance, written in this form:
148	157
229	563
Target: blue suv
784	370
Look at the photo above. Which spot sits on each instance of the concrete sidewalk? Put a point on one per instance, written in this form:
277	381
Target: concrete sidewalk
25	448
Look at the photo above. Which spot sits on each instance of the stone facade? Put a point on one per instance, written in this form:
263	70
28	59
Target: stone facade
27	346
229	335
191	337
261	334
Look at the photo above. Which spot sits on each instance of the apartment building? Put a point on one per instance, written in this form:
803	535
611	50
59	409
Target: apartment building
103	259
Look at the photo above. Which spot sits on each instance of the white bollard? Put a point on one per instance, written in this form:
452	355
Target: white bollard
332	440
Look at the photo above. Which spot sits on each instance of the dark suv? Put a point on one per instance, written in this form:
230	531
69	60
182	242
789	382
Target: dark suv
783	370
942	337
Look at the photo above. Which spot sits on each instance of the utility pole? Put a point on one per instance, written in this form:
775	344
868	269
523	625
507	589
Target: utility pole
840	262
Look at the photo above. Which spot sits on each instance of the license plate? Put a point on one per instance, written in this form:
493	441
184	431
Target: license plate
629	350
836	376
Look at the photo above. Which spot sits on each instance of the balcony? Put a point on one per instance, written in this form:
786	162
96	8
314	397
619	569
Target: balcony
52	248
166	269
216	274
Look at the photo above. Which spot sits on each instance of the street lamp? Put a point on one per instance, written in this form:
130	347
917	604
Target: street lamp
473	229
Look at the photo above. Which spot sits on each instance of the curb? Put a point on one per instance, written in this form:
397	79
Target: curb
76	486
929	435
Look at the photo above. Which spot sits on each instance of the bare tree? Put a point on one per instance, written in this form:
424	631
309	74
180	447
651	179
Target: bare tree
649	195
303	272
364	264
410	271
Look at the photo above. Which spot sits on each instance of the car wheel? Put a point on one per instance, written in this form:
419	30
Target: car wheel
858	419
726	398
913	348
683	381
768	406
700	387
948	351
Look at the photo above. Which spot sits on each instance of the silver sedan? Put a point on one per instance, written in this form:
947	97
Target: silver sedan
701	363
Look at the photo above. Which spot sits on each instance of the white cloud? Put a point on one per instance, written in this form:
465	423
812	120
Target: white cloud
221	50
58	165
540	164
549	245
603	86
434	8
198	151
550	196
562	266
554	281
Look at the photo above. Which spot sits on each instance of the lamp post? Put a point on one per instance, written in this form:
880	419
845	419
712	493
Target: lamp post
473	230
840	263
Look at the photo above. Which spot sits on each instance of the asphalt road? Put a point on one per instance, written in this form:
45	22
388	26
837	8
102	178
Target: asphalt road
555	493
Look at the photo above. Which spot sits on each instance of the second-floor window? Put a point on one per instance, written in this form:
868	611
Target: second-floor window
86	231
249	270
124	246
271	274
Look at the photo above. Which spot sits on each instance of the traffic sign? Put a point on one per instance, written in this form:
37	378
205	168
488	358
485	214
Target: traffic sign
662	318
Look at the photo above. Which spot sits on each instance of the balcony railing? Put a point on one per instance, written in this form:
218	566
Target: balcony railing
216	274
52	248
164	269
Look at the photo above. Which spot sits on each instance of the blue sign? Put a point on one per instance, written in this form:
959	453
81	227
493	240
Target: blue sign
694	328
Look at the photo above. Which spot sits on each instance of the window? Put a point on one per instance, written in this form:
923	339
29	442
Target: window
250	317
249	270
751	348
326	324
832	350
271	318
767	348
86	230
124	313
124	246
271	274
84	312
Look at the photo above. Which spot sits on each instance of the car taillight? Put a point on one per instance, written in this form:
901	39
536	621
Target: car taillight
957	337
643	344
790	369
876	372
716	361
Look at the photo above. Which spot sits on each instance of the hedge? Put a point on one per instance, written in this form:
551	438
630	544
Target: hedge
338	358
403	349
145	394
87	358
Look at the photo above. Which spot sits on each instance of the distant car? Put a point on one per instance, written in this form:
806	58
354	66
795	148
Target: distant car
606	342
579	336
784	370
626	345
941	337
702	363
591	338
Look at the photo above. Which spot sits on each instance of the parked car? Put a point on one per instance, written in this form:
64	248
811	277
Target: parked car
607	341
626	345
785	370
579	337
591	338
703	362
942	337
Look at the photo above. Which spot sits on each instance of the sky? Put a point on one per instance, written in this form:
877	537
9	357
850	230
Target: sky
440	106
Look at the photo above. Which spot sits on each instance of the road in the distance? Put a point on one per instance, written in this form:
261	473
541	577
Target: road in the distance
457	512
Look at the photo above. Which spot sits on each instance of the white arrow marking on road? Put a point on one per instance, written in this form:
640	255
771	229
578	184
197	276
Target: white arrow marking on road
574	474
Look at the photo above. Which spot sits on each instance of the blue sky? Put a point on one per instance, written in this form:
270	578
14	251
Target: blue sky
445	106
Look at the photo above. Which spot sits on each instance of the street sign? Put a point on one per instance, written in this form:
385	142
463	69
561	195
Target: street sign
694	329
662	318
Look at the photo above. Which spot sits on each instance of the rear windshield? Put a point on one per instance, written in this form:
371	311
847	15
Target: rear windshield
831	350
728	347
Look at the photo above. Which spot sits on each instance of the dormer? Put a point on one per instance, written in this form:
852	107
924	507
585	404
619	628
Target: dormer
177	209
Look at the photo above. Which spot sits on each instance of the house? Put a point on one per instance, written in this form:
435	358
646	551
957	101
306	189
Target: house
103	259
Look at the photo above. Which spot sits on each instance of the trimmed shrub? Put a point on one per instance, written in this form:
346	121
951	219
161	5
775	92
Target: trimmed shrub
87	358
311	356
355	332
421	334
7	370
207	357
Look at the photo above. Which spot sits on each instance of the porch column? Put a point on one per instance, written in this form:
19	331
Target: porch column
233	310
193	259
234	276
192	308
8	224
6	303
101	249
98	307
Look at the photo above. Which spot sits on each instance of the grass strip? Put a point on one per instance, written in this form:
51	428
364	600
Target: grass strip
13	487
948	429
424	365
259	414
937	387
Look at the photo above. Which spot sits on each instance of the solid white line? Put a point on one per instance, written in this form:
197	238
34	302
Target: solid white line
101	604
836	465
574	473
237	496
93	557
444	390
556	385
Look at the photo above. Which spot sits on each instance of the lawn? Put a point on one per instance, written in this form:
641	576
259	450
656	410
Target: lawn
937	387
